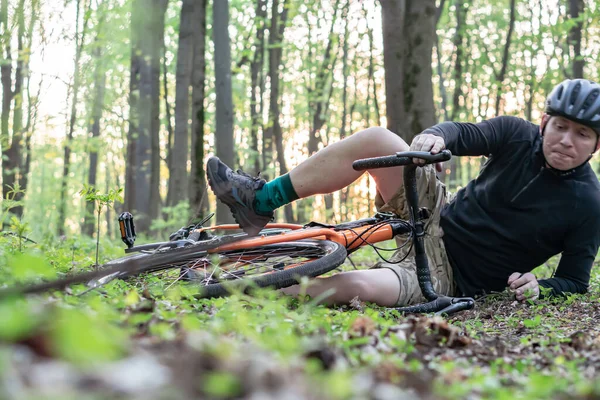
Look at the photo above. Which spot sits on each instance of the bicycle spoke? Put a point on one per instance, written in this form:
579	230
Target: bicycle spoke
237	264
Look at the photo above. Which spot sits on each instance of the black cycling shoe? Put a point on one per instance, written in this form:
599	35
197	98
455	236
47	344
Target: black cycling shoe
238	191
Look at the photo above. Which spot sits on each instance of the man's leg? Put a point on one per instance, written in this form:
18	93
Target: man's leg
252	200
330	169
380	286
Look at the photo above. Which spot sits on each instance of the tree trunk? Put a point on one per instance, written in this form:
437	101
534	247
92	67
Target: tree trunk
157	33
461	14
319	98
408	37
275	53
14	162
198	194
134	95
392	20
420	31
224	103
79	41
178	179
170	133
345	72
31	110
505	57
143	170
440	69
575	8
255	69
6	77
371	77
94	128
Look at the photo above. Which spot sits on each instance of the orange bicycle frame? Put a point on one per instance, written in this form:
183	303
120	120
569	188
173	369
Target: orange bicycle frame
349	238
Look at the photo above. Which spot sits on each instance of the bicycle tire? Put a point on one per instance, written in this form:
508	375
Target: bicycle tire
324	256
334	256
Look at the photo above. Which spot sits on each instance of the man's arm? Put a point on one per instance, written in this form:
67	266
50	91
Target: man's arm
576	261
480	139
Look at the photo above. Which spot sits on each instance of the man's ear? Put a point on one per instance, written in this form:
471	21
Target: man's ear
545	119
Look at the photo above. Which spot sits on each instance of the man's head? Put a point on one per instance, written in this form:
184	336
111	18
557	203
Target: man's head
571	124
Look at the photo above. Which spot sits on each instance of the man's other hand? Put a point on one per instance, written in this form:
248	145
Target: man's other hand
524	286
430	143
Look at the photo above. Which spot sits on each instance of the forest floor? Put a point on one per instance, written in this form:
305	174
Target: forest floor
134	340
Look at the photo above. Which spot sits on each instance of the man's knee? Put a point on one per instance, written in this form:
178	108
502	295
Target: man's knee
351	285
380	141
378	286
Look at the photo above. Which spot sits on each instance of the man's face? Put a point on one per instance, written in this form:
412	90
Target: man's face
567	144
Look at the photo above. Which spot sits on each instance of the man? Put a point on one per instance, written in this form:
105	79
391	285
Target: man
536	196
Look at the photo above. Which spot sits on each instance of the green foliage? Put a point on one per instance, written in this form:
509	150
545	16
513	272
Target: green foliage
102	200
83	337
103	326
107	200
172	218
11	200
28	266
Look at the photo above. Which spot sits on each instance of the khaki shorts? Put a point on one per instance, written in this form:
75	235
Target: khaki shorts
433	196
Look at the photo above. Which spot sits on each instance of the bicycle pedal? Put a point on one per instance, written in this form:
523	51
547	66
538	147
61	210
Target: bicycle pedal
127	229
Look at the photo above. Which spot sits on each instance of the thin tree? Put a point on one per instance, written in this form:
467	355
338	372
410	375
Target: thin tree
178	179
197	185
256	67
500	75
440	69
165	81
344	71
320	93
576	8
6	77
224	103
278	23
156	32
32	101
94	126
142	174
79	43
14	154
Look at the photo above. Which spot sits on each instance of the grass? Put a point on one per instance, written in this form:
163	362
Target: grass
135	340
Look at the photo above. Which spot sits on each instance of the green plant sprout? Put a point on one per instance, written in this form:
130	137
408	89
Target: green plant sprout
91	194
17	226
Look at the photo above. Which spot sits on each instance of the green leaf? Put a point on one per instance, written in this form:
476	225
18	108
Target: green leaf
222	384
533	323
17	319
82	338
28	266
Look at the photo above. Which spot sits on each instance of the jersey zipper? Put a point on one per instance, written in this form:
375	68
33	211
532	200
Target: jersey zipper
528	185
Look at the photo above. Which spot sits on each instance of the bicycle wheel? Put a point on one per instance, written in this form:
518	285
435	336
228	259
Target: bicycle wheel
217	273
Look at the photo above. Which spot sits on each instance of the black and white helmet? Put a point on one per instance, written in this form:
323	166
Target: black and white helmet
577	100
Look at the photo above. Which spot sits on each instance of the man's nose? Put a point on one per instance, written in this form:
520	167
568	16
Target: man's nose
567	139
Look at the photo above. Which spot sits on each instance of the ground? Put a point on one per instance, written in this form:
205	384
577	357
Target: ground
133	340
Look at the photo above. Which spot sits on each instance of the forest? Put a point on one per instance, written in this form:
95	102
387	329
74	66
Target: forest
116	105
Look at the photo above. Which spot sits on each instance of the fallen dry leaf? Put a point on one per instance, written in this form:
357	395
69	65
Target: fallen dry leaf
361	327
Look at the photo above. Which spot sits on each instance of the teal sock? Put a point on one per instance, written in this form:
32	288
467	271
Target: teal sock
275	194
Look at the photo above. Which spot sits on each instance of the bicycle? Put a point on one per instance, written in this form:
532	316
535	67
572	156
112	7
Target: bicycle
280	254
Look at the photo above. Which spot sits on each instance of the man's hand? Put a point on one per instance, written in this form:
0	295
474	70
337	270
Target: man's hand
428	142
524	286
